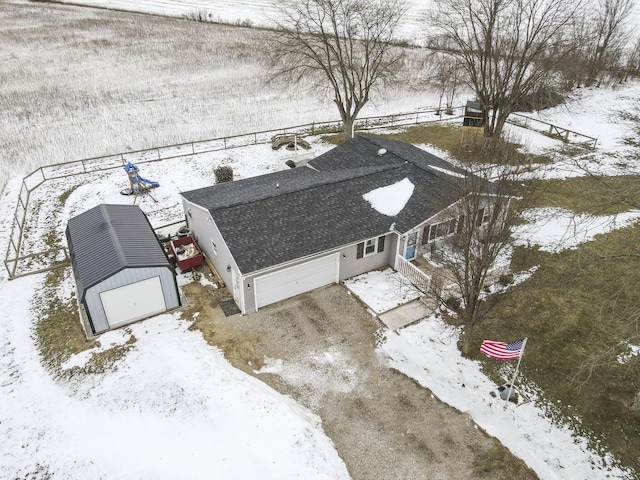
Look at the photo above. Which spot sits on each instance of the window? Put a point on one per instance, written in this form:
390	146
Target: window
442	229
484	215
371	246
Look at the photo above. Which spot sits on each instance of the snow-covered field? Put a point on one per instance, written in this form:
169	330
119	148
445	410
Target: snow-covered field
75	81
257	12
260	13
173	407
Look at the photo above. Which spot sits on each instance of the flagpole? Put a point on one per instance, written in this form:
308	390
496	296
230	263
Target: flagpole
515	374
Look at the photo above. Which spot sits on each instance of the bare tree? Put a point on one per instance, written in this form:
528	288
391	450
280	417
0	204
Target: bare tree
345	45
608	37
476	236
444	73
631	65
508	47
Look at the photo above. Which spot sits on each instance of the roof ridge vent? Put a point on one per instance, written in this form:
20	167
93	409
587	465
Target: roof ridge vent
382	151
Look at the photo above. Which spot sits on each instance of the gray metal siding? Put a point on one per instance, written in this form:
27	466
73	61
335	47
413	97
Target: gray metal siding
123	278
107	238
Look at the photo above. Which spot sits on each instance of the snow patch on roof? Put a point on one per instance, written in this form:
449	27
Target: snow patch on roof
448	172
390	200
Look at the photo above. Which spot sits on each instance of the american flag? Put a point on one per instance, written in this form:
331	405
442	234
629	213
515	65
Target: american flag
502	350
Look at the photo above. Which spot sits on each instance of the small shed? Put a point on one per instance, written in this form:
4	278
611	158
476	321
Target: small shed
122	273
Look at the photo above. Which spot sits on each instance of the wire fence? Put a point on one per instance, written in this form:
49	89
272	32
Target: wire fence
18	263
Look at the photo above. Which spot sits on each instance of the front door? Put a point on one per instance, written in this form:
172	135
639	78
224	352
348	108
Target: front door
410	248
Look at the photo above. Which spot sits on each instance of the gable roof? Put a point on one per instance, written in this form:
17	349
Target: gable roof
278	217
108	238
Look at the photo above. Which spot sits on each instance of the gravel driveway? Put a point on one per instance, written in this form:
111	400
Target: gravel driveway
319	348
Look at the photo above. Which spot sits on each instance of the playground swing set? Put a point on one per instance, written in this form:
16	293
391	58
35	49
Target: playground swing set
137	184
184	250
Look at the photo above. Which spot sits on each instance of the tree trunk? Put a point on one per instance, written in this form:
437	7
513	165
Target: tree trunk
501	120
348	128
465	342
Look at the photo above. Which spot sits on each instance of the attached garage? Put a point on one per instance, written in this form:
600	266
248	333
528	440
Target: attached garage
121	271
276	286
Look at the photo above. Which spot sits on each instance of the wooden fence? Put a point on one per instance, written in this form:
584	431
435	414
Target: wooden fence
564	134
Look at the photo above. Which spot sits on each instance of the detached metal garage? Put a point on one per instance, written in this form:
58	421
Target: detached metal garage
122	273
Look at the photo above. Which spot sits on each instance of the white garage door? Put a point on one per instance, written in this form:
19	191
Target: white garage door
291	281
134	301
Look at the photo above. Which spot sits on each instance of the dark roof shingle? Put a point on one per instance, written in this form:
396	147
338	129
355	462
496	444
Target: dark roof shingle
275	218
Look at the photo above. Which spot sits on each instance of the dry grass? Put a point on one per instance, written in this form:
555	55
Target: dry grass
595	195
460	143
498	460
80	83
579	302
58	331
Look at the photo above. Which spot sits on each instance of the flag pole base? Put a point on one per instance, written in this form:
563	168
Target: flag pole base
508	394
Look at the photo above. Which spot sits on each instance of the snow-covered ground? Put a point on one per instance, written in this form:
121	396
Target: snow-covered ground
261	13
428	353
556	229
172	407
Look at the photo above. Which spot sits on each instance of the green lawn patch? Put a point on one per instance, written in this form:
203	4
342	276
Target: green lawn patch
595	195
59	334
460	143
579	303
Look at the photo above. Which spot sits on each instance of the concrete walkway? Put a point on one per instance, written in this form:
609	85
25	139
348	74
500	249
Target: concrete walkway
405	314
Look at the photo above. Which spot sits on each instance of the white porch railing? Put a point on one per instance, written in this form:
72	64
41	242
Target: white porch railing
417	277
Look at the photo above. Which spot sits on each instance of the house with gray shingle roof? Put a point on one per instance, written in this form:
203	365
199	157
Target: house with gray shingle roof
362	205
